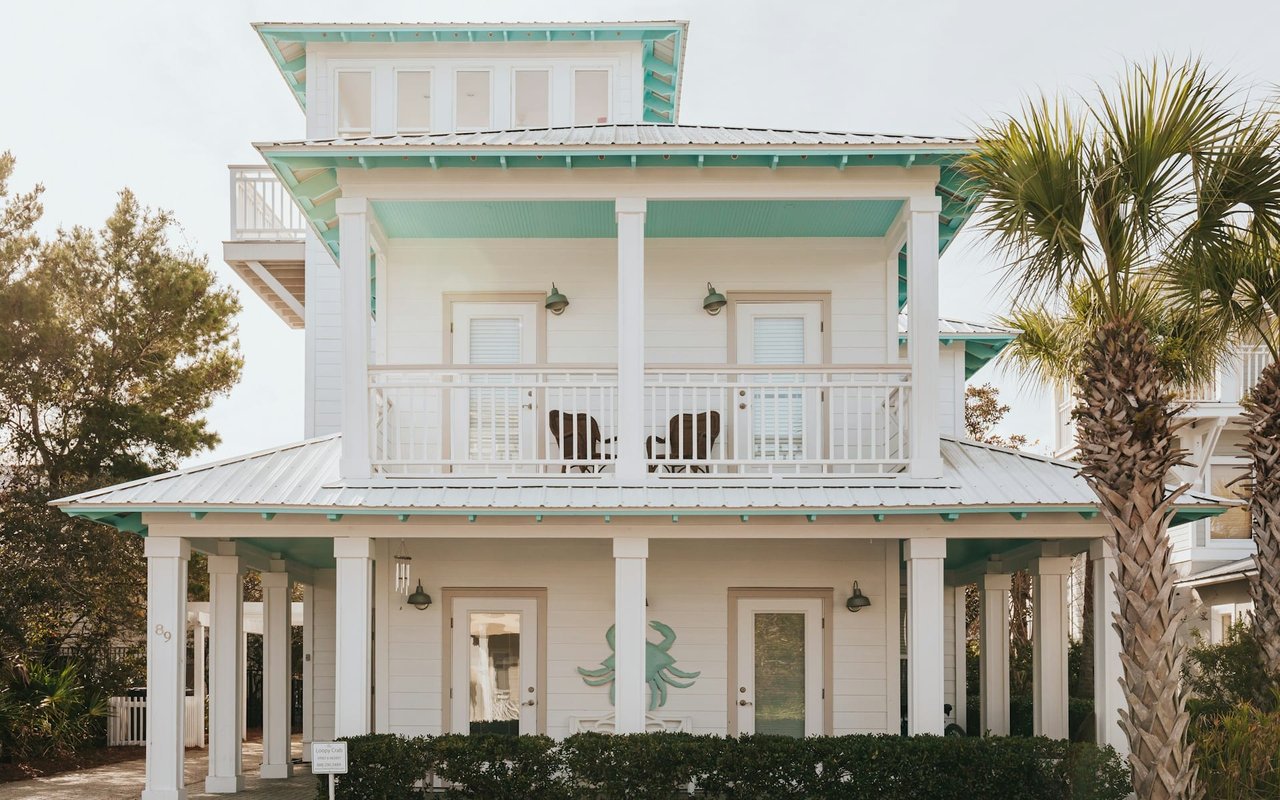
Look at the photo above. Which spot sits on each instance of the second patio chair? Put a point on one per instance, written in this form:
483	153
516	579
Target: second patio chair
578	436
690	438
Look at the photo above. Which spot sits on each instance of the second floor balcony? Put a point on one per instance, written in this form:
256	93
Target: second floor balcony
738	420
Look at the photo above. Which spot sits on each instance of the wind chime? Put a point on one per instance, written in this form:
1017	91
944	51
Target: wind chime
403	564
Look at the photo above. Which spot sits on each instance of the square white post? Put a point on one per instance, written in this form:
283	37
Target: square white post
354	629
308	668
353	239
1108	668
1049	647
226	673
166	665
198	688
925	691
276	669
244	677
993	656
630	464
630	622
922	335
960	617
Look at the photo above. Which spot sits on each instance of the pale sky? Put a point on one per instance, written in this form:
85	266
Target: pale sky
161	96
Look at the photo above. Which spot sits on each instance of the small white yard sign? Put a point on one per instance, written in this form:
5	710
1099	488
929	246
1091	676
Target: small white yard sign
329	758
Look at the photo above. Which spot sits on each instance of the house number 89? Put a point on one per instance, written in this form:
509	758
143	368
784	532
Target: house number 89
160	631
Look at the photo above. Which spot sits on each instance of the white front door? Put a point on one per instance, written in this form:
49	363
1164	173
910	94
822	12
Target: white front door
493	417
779	420
494	665
781	662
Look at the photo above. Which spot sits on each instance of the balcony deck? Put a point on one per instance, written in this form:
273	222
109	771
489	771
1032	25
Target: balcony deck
267	241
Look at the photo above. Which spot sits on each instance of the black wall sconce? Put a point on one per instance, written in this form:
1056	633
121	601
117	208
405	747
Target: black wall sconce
420	599
857	601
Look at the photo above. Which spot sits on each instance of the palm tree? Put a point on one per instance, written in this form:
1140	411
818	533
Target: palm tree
1235	282
1088	202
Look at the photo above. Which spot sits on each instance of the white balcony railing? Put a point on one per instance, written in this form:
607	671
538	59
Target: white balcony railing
261	208
727	420
1253	361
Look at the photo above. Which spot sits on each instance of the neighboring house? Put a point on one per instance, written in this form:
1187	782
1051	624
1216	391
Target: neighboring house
1214	555
631	400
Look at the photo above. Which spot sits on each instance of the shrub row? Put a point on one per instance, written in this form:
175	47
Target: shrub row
667	765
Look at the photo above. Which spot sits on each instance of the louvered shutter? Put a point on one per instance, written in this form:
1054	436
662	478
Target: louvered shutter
777	425
494	412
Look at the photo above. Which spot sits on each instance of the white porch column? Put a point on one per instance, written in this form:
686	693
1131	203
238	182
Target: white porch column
226	674
1049	647
630	463
630	621
244	674
276	670
354	667
922	335
198	687
308	669
925	695
1108	670
993	653
166	665
353	239
960	699
993	657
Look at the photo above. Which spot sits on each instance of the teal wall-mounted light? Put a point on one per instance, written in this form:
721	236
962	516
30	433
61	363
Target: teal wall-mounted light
714	301
857	601
556	302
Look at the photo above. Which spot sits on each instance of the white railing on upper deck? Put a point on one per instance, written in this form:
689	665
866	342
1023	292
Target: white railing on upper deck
750	421
261	208
1253	361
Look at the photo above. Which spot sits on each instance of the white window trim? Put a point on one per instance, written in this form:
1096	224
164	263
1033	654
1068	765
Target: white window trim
1236	462
395	98
551	112
573	93
337	100
487	70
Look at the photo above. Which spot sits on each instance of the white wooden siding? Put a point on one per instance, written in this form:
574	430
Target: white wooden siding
323	341
324	655
676	274
688	583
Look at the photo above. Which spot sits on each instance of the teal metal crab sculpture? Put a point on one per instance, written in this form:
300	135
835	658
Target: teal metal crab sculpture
660	669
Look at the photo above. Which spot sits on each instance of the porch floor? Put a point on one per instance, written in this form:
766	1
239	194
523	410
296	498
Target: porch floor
124	781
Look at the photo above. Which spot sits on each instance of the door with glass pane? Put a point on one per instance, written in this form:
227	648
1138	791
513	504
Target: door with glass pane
493	669
492	413
778	415
780	666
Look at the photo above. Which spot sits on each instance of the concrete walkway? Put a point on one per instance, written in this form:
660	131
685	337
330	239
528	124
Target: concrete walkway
123	781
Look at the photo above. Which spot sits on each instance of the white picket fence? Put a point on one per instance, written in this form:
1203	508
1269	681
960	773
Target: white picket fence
128	722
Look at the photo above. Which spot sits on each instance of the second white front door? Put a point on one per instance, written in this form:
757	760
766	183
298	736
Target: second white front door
780	666
493	417
494	665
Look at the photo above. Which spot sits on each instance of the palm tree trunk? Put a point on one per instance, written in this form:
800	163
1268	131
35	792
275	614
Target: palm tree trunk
1125	429
1262	443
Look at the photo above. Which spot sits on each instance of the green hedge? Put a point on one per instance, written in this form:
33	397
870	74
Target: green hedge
664	765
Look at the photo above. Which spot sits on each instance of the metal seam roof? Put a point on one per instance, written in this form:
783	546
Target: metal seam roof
304	477
959	328
647	134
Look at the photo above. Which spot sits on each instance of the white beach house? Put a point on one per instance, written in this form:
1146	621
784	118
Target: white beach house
632	405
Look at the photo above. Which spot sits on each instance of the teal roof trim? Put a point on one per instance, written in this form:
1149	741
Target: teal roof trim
131	521
316	192
286	43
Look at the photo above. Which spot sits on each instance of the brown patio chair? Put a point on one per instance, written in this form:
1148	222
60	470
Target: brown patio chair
578	435
690	437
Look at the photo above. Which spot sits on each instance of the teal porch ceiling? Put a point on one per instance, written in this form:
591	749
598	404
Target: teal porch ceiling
665	219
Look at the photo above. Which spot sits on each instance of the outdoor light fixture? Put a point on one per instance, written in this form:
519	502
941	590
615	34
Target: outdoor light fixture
556	302
421	600
856	602
714	301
